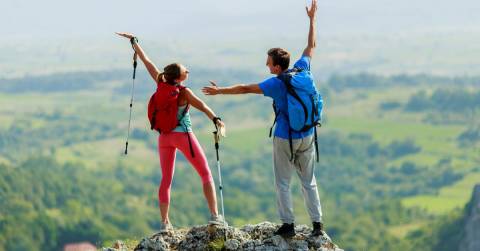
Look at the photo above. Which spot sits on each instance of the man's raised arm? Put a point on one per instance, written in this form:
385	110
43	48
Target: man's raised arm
234	89
312	40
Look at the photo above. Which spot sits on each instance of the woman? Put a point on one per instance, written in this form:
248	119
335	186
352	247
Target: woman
168	143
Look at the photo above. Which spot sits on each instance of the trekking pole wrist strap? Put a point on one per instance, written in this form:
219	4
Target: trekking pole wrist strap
133	40
215	120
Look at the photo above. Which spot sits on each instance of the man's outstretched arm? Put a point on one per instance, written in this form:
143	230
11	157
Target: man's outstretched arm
312	36
234	89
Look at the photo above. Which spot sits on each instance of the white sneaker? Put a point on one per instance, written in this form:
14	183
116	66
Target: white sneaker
217	220
165	227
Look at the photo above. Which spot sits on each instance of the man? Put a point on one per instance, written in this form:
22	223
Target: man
300	155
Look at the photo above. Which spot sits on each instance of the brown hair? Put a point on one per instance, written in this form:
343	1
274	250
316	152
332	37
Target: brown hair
170	73
280	57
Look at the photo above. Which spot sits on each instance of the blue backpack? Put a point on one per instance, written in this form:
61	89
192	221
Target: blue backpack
304	104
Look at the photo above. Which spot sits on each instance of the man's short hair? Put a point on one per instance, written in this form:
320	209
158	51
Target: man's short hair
280	57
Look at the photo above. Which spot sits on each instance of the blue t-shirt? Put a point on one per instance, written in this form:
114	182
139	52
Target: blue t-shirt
275	89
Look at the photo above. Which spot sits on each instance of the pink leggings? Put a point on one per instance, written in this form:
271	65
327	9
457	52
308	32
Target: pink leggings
167	148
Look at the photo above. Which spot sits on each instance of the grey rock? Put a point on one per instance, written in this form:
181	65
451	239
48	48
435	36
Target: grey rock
278	242
299	245
248	238
155	243
232	244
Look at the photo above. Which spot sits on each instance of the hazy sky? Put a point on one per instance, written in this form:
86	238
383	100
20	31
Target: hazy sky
64	35
30	19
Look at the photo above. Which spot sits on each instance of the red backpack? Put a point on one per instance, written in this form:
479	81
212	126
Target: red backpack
163	107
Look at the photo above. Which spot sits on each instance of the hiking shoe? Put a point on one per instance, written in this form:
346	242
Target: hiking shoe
317	229
165	227
286	230
217	220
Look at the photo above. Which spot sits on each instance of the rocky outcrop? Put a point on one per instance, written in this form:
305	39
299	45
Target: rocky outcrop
249	237
471	239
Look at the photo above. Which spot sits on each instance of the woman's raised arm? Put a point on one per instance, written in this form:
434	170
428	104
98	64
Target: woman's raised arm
201	106
151	68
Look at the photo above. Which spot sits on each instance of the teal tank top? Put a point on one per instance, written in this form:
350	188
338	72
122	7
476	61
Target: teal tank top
185	124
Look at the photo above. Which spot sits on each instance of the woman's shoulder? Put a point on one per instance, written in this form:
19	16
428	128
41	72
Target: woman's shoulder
183	96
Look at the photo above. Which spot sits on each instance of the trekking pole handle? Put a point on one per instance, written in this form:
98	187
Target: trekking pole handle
215	120
215	137
133	41
134	64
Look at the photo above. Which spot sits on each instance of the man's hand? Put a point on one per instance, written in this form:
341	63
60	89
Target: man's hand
311	33
211	90
313	10
234	89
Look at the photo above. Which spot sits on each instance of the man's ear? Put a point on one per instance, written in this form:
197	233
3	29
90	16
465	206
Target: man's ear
278	69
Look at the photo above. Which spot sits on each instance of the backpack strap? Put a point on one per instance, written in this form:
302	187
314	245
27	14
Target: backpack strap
290	142
316	143
187	108
152	122
181	88
186	129
286	79
190	145
275	119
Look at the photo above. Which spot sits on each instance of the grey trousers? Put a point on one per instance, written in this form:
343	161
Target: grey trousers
303	164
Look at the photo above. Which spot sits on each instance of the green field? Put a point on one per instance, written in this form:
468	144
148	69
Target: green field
448	198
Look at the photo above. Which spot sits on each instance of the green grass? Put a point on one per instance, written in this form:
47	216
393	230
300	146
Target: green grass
105	153
4	161
242	141
385	131
401	231
420	159
448	198
5	121
436	141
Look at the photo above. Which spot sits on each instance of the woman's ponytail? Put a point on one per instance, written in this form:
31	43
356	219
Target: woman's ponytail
160	77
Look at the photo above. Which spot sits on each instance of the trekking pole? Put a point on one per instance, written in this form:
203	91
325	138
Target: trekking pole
132	41
220	185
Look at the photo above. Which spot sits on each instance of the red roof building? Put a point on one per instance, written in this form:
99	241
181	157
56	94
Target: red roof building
84	246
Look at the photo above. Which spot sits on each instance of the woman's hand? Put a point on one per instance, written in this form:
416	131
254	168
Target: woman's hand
221	128
124	34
